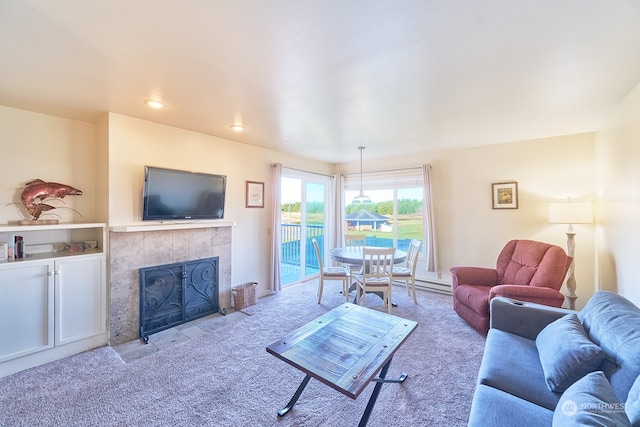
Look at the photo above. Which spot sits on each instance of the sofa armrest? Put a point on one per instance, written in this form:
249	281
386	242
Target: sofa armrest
526	319
535	294
473	276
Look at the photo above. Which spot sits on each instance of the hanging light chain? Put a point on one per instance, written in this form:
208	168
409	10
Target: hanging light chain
362	147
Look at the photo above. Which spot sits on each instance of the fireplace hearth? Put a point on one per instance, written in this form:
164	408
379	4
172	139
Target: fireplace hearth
173	294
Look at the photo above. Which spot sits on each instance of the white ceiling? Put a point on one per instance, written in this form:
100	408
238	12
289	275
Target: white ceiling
321	77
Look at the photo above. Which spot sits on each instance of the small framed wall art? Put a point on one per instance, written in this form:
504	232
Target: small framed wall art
505	195
255	194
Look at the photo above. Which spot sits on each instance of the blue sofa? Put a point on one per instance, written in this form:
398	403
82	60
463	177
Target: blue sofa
545	366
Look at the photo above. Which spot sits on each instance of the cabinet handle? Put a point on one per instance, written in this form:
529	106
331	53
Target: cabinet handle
50	273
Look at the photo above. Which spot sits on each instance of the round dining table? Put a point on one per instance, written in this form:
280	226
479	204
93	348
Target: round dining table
353	256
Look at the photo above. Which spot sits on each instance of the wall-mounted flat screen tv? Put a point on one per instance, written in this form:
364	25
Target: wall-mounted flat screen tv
170	194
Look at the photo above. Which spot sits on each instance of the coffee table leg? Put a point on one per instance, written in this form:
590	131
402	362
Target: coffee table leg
376	391
282	412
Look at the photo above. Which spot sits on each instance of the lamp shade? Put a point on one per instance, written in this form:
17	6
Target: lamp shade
361	199
571	213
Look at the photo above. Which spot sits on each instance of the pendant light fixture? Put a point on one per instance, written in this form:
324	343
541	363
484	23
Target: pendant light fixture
361	199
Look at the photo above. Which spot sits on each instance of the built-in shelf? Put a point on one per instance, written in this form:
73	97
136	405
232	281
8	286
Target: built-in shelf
160	226
55	240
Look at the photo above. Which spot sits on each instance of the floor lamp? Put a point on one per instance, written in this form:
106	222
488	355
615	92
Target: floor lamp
571	213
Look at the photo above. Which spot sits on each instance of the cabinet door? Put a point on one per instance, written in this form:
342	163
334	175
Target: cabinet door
80	298
26	308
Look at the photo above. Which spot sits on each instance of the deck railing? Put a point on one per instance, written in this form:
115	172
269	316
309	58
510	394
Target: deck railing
291	236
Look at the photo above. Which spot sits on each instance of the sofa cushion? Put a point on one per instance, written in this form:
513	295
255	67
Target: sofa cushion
632	407
590	401
566	353
510	363
493	407
613	323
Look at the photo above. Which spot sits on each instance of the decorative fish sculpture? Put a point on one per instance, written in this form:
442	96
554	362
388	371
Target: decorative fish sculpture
38	190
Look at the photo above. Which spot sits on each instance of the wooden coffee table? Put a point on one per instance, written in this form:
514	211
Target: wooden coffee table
345	348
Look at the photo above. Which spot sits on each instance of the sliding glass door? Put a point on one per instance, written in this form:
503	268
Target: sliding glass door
304	209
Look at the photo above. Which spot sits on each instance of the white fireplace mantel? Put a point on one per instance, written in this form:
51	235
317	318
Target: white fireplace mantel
171	225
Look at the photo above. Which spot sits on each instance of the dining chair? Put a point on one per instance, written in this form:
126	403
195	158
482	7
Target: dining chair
331	273
376	274
407	272
355	240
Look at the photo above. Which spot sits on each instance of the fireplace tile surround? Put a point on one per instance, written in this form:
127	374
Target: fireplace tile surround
130	251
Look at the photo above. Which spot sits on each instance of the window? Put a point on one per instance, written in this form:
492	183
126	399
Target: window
395	215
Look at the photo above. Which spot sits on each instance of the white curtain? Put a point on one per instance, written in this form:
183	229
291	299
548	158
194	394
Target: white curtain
430	229
337	211
276	179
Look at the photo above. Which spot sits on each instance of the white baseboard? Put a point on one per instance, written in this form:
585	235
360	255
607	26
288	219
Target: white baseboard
18	364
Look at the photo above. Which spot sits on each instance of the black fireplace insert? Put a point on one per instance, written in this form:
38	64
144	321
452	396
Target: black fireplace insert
172	294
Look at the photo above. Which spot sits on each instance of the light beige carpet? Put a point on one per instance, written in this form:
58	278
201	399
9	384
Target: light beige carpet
226	377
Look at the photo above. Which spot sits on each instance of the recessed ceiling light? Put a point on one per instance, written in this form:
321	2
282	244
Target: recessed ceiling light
154	103
237	128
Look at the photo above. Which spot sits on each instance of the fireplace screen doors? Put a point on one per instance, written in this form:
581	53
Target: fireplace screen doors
173	294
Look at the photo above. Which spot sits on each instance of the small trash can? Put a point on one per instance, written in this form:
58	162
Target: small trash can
244	295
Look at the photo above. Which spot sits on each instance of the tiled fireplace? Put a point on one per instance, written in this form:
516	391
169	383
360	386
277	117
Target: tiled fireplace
131	250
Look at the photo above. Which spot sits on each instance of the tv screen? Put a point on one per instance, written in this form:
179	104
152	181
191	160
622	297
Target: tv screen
176	194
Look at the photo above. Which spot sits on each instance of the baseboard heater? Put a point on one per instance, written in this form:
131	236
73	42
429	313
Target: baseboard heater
434	286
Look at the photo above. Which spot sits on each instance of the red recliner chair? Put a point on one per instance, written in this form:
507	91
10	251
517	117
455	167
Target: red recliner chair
526	270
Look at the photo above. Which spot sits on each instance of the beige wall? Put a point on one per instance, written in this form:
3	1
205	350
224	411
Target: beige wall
102	169
470	232
52	149
134	143
618	190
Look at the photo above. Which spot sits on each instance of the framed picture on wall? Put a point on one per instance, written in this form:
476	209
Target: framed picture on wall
505	195
255	194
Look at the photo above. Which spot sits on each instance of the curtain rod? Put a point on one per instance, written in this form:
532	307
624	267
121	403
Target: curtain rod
386	170
364	172
302	170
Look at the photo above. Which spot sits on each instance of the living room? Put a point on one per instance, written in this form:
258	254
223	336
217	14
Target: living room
462	181
105	155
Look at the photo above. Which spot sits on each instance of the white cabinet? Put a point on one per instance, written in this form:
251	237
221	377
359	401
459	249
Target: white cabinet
26	309
52	304
80	298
